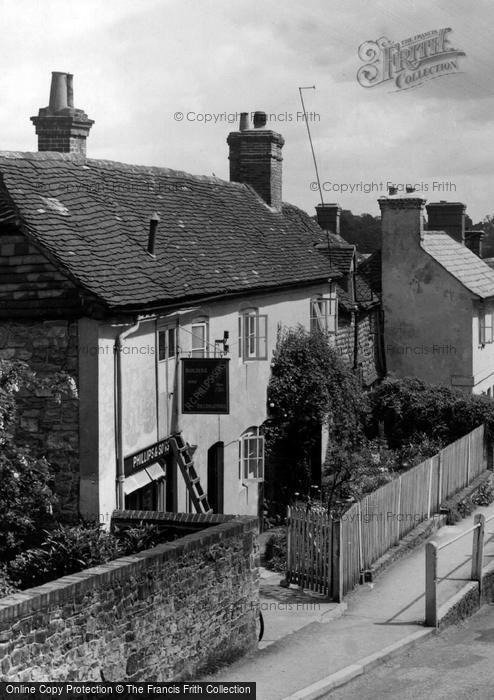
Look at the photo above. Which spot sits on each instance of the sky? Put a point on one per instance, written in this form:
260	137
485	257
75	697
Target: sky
150	73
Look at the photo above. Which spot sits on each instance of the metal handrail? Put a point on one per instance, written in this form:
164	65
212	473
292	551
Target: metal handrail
454	539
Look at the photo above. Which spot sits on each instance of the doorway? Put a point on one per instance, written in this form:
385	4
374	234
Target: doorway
216	476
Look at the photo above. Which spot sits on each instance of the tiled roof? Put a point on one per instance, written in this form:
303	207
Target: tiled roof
214	237
457	259
339	257
369	270
489	261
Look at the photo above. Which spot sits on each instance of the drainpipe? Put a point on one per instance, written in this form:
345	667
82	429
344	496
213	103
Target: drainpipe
119	412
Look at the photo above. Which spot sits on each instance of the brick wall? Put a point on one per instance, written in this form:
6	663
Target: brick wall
48	426
29	282
367	341
164	614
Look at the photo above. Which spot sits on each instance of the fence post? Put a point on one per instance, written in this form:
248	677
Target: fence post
289	545
336	562
431	584
439	479
478	549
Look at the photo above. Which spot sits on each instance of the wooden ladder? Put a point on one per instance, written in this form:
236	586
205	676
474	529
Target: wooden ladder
181	450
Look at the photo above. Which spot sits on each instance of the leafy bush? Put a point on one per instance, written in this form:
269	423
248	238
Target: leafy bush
137	539
410	409
276	551
6	585
26	496
64	551
310	386
484	495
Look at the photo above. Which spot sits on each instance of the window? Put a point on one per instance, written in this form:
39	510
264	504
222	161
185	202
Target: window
485	328
252	335
167	345
199	339
251	455
324	314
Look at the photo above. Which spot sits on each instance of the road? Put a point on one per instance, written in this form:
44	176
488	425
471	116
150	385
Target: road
457	664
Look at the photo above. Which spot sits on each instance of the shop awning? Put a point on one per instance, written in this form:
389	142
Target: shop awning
143	477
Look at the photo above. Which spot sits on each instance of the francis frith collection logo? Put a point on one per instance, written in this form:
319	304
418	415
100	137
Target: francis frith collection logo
410	62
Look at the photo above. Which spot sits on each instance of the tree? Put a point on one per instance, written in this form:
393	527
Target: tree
26	494
310	386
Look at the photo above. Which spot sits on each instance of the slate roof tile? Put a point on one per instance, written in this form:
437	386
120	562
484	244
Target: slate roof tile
214	236
459	260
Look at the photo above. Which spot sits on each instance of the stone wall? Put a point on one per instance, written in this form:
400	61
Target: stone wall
48	425
163	614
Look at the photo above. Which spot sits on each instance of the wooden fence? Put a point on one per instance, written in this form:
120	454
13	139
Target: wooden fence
330	556
370	527
309	536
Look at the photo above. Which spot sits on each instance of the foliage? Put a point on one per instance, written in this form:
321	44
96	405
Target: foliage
64	551
412	409
138	538
68	549
484	495
363	230
26	496
310	385
6	585
275	552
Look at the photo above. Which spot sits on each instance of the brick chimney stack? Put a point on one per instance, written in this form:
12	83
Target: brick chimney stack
328	217
448	217
473	240
60	127
255	158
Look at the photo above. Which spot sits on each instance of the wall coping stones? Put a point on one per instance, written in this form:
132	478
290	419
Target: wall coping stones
66	588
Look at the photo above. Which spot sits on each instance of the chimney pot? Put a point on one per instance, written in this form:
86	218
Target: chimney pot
60	127
244	121
260	120
58	92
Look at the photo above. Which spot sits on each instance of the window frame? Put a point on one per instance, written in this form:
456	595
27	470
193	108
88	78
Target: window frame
486	330
252	335
204	350
167	331
323	319
251	455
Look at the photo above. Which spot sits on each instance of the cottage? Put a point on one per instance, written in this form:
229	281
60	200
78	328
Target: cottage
161	293
437	295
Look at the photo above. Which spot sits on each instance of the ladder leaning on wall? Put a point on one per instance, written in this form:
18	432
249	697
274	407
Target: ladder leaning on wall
182	453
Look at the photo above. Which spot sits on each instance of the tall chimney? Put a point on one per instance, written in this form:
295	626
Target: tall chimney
473	240
448	217
328	217
401	223
255	158
60	127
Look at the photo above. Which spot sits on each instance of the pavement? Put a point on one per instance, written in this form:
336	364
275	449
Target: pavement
312	645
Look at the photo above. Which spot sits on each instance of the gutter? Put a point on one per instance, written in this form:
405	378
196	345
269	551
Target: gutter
117	349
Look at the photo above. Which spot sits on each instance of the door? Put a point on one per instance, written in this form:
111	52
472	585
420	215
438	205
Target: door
216	477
